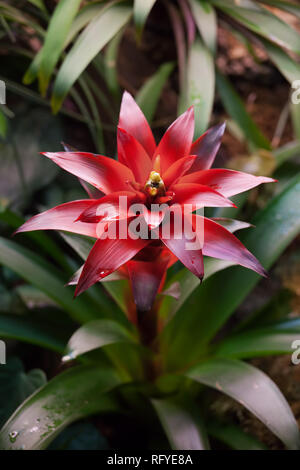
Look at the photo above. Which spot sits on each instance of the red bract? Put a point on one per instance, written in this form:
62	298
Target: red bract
174	173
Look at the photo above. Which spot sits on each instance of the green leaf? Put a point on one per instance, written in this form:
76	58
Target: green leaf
261	21
236	109
181	422
31	330
295	115
39	4
16	385
41	239
234	437
188	282
85	15
141	9
74	394
199	85
110	68
96	334
94	37
33	69
41	274
257	343
289	68
3	125
290	7
57	32
255	391
206	21
148	96
287	152
212	303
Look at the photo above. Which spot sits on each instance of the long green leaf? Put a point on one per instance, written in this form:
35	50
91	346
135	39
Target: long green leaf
257	343
94	37
16	385
233	436
289	68
206	21
254	390
74	394
3	125
49	280
212	303
85	15
39	4
148	96
290	7
28	329
182	423
96	334
141	9
261	21
58	30
199	85
40	238
110	62
236	109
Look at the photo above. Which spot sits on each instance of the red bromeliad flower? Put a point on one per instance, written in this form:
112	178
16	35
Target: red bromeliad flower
176	172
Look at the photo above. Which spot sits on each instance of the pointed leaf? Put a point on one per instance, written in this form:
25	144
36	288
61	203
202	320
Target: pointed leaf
28	329
74	394
261	21
149	94
58	29
141	9
94	335
206	21
236	109
234	436
257	343
182	423
41	274
199	86
254	390
96	35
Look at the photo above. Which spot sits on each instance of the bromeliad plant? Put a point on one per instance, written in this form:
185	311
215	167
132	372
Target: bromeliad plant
155	356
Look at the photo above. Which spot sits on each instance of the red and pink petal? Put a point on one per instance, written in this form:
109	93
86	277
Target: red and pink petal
226	182
104	173
62	217
133	121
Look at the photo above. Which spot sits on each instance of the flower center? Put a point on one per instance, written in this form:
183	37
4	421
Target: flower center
155	185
